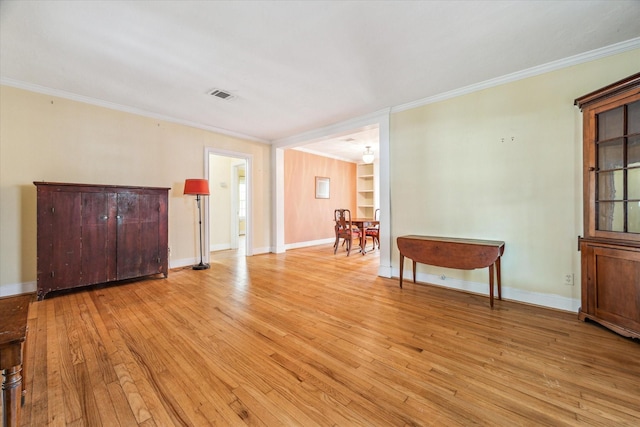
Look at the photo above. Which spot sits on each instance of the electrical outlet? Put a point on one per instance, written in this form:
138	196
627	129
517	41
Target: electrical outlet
568	279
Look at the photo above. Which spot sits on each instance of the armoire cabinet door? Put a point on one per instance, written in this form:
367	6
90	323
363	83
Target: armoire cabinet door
150	233
98	237
59	240
139	235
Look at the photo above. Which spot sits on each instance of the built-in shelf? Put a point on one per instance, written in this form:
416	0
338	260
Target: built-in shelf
366	191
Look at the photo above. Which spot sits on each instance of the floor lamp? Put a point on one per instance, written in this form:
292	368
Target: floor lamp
198	187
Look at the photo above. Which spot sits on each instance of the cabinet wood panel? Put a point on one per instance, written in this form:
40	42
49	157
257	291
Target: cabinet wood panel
91	234
58	257
611	294
98	246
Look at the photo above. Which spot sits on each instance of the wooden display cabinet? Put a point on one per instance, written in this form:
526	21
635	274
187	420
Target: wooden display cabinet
610	248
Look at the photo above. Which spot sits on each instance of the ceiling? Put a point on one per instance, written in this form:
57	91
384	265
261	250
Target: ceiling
348	147
290	66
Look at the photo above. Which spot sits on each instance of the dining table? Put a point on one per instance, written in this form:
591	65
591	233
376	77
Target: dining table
362	224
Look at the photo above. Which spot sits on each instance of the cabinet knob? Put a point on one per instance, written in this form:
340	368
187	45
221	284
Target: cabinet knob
105	217
119	216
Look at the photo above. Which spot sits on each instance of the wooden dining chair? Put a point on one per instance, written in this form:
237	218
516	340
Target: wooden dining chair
374	232
345	230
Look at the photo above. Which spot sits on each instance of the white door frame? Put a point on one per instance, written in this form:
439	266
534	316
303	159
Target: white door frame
235	203
248	158
381	119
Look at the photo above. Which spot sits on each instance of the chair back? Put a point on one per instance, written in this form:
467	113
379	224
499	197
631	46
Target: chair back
374	230
343	220
376	216
345	229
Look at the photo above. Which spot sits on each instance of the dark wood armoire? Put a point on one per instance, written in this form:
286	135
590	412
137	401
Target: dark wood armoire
90	234
610	248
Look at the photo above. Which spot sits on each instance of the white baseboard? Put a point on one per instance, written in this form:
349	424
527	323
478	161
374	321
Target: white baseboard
18	288
385	271
264	250
178	263
513	294
299	245
226	246
219	247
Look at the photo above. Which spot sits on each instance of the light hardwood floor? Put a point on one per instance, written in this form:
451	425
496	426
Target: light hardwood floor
308	338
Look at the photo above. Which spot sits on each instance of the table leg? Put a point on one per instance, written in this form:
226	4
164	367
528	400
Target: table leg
499	278
401	268
491	285
414	270
11	396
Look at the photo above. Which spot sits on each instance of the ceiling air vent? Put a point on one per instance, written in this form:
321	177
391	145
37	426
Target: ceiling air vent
220	94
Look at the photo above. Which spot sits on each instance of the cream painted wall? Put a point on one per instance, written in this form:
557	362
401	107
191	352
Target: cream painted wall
45	138
451	174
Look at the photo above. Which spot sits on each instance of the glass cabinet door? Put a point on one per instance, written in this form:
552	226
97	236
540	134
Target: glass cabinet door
617	187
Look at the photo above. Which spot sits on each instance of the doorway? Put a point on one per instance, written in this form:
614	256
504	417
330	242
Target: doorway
381	120
228	213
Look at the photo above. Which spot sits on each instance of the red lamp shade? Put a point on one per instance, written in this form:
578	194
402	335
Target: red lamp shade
196	187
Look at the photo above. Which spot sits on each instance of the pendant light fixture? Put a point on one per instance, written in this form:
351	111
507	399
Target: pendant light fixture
367	156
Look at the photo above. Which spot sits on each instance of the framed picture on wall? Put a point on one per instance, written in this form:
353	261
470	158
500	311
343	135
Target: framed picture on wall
322	187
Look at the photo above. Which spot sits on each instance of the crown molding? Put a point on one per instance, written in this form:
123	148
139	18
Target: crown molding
123	108
570	61
355	122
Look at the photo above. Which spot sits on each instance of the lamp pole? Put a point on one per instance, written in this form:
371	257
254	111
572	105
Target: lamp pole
202	265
